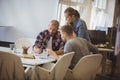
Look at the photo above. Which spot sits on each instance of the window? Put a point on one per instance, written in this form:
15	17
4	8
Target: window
94	12
83	6
101	4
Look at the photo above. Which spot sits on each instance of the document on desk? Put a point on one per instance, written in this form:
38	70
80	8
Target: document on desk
37	61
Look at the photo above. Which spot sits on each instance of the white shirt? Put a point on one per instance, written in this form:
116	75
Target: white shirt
49	44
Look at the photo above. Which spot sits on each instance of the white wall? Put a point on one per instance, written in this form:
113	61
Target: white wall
27	17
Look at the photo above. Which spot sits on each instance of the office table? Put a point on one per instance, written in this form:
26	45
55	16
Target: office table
30	62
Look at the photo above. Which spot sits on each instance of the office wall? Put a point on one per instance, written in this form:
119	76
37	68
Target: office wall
25	18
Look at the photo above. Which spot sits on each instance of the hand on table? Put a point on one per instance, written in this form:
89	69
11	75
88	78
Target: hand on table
52	53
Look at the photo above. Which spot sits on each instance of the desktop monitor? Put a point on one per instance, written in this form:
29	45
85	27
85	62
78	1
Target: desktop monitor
97	36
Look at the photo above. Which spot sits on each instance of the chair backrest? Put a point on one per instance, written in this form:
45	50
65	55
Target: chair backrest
24	42
11	67
87	66
62	65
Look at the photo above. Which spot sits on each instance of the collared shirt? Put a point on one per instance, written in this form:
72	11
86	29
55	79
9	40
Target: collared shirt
44	37
80	29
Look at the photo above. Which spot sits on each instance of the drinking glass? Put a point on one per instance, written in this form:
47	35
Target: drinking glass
12	46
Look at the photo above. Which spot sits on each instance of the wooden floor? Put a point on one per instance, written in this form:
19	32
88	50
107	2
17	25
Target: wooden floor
107	77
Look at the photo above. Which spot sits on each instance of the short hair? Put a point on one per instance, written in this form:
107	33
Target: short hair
67	28
72	11
55	23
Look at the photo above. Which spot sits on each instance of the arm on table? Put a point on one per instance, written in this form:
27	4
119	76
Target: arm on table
59	52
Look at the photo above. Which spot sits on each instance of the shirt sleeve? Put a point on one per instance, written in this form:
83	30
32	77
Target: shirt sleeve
67	48
61	45
82	29
92	48
39	41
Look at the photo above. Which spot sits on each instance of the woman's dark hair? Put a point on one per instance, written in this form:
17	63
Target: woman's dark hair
77	15
72	11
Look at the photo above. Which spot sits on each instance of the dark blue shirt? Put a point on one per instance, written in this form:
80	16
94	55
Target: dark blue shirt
80	29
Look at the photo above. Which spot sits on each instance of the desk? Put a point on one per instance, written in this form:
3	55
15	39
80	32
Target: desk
104	52
38	61
30	62
105	49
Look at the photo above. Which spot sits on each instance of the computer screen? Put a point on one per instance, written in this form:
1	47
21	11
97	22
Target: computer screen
97	36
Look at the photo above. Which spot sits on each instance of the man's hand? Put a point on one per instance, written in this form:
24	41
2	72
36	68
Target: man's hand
51	52
37	50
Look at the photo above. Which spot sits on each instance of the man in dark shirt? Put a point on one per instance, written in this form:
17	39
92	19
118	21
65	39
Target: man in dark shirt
50	38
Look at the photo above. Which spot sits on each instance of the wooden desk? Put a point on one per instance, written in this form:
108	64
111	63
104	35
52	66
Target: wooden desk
104	52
